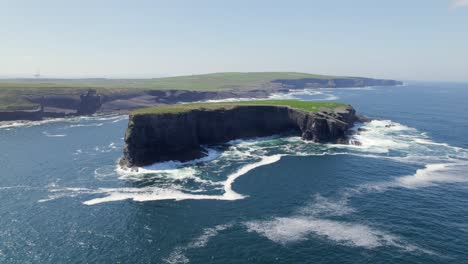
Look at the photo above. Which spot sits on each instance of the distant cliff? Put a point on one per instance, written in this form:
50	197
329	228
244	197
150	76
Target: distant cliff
56	106
160	137
112	95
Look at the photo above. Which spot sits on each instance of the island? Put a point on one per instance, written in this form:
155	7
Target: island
35	99
179	132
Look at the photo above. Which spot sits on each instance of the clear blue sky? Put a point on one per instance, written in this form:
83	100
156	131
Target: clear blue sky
403	39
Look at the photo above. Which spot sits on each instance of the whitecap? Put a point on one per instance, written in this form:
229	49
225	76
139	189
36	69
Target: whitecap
435	174
86	125
47	134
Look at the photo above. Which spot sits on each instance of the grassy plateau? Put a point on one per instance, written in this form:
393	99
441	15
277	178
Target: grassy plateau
180	108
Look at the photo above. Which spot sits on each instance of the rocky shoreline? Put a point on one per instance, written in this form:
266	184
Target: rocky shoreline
152	138
90	102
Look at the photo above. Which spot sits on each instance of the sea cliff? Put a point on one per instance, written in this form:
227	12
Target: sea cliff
22	98
180	135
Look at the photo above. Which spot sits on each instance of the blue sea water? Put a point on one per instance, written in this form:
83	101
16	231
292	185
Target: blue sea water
400	197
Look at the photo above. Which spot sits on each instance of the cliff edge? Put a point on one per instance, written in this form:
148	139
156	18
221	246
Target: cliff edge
178	132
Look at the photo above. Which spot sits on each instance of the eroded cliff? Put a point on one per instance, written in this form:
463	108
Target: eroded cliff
160	137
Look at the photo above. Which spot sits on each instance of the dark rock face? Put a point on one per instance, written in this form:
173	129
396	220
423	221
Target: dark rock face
161	137
30	115
57	101
89	103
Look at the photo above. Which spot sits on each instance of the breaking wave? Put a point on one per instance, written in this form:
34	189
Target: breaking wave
47	134
111	118
310	94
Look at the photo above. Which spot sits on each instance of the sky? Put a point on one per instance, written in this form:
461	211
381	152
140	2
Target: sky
397	39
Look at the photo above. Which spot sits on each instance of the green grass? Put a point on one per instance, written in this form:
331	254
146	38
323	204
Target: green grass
180	108
202	82
13	90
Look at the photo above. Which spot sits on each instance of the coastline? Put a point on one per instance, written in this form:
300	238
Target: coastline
122	102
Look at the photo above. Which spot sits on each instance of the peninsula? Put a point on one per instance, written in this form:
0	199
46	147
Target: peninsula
35	99
178	132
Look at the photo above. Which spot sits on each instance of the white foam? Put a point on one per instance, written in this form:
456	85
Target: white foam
297	93
153	193
284	230
98	117
229	194
178	254
17	124
86	125
144	194
211	154
47	134
435	174
323	206
381	136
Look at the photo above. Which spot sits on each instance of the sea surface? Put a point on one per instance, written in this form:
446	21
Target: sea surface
400	197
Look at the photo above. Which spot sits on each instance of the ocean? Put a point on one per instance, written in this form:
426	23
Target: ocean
400	196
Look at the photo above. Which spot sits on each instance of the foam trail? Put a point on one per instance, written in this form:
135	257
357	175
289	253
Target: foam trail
435	173
145	194
284	230
178	255
229	194
323	206
310	220
99	117
297	228
174	192
47	134
86	125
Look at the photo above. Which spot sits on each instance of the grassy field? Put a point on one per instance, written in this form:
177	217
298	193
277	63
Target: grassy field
12	90
202	82
179	108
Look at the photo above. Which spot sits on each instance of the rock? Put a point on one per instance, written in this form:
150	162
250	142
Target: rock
89	103
364	119
160	137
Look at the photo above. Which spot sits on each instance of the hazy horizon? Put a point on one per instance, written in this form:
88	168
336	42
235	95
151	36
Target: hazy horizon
421	40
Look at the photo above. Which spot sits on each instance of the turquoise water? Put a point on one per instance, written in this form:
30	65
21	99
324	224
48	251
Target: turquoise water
400	197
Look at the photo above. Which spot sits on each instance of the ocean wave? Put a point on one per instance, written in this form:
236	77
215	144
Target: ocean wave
47	134
113	118
86	125
299	93
442	163
18	124
434	174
